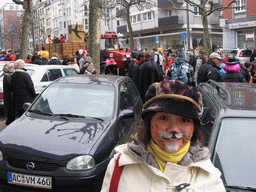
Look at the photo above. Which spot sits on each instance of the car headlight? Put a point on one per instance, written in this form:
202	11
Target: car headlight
83	162
1	156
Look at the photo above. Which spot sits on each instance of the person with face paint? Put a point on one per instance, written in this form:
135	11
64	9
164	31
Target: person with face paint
168	152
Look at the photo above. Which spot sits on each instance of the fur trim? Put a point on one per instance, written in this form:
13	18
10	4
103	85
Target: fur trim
195	153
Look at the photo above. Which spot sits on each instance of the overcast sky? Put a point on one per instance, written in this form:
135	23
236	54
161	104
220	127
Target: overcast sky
3	2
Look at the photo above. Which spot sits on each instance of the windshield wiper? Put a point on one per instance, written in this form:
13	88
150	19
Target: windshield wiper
69	115
77	116
239	188
40	112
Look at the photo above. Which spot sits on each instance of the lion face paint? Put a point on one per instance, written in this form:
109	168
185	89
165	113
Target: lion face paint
171	132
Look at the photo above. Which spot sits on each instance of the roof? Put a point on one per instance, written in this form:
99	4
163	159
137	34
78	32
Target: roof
234	96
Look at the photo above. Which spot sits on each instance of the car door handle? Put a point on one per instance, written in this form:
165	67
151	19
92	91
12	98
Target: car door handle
44	86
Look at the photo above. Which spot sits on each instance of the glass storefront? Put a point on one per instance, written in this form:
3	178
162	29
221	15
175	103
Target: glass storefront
246	39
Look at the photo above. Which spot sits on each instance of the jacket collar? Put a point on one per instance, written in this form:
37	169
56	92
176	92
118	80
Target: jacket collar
136	153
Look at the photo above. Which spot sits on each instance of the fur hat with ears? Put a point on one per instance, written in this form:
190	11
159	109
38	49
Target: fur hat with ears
173	97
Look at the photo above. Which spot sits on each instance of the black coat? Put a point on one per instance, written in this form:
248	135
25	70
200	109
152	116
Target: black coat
54	62
232	77
8	94
23	89
207	71
150	73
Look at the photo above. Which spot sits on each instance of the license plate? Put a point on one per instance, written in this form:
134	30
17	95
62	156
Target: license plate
29	180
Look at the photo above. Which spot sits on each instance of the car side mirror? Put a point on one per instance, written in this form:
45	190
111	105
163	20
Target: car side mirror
126	113
26	106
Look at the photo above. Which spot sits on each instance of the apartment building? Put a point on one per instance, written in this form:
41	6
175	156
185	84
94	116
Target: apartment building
239	25
162	26
10	26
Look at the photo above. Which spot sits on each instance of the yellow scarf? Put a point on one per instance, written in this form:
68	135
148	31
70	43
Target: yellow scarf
163	157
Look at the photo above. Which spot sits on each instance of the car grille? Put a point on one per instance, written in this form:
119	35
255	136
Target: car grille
39	166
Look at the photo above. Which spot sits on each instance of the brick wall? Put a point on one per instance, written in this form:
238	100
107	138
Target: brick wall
227	14
11	20
251	8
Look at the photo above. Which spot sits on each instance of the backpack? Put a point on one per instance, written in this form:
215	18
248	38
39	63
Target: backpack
179	73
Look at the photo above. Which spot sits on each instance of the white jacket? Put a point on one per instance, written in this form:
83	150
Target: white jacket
139	176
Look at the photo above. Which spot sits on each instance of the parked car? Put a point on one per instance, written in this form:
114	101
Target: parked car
66	138
41	75
242	55
229	120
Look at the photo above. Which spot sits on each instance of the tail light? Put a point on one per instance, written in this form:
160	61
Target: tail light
1	95
241	54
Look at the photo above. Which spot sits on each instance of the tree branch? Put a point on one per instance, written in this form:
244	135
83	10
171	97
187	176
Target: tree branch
19	2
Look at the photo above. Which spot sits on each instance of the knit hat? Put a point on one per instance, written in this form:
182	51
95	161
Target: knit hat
181	54
173	97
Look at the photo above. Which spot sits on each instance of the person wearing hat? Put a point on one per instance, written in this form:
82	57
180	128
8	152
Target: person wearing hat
232	73
210	69
23	87
55	60
168	152
8	70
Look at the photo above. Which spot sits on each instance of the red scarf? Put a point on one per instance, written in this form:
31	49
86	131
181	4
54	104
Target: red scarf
138	62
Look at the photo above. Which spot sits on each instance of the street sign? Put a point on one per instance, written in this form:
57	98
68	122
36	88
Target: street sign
157	39
184	35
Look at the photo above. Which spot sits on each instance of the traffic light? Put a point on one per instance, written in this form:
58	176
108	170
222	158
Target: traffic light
127	40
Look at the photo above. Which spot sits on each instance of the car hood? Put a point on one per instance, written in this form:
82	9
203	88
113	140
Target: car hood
53	139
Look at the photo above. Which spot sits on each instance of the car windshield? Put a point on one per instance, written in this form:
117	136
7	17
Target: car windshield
235	152
76	100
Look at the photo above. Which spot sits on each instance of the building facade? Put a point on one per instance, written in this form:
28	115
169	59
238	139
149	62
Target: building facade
10	26
239	25
162	26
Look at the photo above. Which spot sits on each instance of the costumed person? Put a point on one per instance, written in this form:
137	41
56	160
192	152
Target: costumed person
168	153
232	73
8	70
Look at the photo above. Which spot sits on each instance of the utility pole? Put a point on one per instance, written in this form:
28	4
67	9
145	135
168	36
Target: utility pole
188	31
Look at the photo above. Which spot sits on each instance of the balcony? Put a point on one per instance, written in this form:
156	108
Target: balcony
167	21
164	3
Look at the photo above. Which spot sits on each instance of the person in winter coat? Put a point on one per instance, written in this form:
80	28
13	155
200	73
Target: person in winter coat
210	70
23	87
245	71
233	73
168	152
175	70
253	55
8	70
73	63
13	56
134	68
150	73
45	53
7	57
55	60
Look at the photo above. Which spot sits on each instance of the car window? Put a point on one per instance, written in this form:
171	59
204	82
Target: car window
207	117
51	75
134	94
125	101
246	53
235	152
70	71
77	99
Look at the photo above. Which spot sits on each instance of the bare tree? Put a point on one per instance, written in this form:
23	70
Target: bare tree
12	31
126	6
204	10
26	24
94	32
